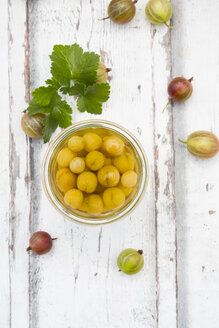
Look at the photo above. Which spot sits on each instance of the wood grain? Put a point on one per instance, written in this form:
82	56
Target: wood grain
18	163
196	52
78	284
5	291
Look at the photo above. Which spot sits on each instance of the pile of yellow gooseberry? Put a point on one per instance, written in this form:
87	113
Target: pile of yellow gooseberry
95	174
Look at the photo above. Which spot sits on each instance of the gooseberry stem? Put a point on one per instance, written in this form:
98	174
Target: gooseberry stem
169	26
100	19
28	249
140	251
190	80
185	142
166	105
135	1
109	70
54	238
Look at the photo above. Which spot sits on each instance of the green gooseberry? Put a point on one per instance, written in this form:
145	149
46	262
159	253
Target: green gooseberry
130	261
121	11
102	73
159	12
202	144
33	125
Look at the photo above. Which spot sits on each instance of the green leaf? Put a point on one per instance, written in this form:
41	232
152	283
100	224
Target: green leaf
77	89
50	125
93	98
62	114
53	83
70	63
35	108
44	95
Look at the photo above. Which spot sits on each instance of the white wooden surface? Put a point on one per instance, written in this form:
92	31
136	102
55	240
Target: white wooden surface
77	285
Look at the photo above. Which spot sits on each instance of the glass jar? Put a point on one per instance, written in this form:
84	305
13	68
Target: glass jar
49	162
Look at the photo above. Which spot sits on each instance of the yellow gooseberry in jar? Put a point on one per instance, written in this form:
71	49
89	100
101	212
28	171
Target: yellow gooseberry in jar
76	143
113	198
124	162
65	179
74	198
108	176
77	165
113	145
127	191
92	141
94	204
87	182
129	179
64	157
95	160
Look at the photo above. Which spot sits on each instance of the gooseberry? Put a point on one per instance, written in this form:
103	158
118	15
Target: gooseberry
77	165
130	261
113	145
65	179
65	156
121	11
40	243
33	125
74	198
127	191
94	204
124	162
159	12
87	181
95	160
92	141
102	73
202	144
113	198
108	176
179	90
129	179
76	143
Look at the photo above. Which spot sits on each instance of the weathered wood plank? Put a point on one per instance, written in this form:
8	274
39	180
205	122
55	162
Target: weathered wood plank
84	258
165	217
196	53
4	172
18	166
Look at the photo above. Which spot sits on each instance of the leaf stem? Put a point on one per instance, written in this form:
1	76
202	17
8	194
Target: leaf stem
166	105
185	142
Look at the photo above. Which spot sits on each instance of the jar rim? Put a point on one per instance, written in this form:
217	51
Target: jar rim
81	125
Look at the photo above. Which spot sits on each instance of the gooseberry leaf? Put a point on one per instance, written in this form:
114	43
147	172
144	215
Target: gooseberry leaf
52	82
50	125
71	63
35	108
77	89
74	72
91	101
44	95
62	114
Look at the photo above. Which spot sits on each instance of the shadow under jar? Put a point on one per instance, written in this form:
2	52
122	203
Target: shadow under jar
105	130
